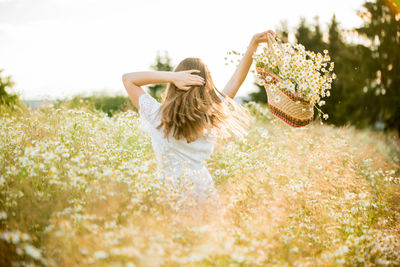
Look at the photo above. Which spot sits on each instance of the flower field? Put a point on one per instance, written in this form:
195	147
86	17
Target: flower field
77	188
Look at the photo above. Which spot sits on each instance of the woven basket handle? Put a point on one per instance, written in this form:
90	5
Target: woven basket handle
271	44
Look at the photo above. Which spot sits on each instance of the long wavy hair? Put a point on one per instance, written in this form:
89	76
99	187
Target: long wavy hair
189	113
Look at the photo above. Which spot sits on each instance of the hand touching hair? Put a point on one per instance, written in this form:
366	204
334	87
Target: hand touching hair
191	105
185	79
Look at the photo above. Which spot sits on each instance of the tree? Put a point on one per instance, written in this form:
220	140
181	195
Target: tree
304	34
99	101
347	101
334	37
163	63
382	28
258	96
283	31
6	98
311	38
317	42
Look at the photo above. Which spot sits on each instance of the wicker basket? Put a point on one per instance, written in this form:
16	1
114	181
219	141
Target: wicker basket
293	110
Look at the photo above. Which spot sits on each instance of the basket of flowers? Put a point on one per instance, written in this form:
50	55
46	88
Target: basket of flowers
295	80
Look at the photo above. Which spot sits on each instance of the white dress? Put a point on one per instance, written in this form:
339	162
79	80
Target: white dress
181	167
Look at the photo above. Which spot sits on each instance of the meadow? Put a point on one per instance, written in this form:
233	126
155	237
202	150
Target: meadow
77	188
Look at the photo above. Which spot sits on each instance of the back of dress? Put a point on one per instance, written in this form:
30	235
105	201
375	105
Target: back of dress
180	165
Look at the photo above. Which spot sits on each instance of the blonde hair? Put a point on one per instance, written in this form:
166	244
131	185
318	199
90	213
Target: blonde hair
187	113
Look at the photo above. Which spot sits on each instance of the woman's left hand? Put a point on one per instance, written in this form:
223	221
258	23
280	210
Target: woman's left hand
185	79
262	37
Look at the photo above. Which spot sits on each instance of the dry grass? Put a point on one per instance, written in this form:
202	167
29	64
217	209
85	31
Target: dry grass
78	188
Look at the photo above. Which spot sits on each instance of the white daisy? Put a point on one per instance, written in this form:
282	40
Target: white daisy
32	251
265	60
277	98
48	155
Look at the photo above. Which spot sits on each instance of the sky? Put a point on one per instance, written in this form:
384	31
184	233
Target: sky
60	48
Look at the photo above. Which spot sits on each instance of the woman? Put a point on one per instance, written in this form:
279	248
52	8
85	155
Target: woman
186	125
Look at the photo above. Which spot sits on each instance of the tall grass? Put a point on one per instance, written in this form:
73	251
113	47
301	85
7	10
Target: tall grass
78	188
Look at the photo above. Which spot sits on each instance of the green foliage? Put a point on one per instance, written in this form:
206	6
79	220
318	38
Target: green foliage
163	63
346	103
107	104
6	98
310	36
283	31
382	56
259	96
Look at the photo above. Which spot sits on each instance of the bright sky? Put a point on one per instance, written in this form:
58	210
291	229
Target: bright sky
58	48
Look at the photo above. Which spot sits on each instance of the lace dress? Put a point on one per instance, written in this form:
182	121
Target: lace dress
181	168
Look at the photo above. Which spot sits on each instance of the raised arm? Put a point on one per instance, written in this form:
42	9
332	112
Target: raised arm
242	69
134	80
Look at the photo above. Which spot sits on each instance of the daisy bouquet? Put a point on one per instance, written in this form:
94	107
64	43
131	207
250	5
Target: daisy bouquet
295	79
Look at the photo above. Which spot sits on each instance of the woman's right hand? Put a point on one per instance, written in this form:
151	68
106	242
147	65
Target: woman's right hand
262	37
185	79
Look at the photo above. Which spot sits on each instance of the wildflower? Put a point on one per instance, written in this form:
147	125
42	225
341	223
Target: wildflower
326	116
48	155
3	215
29	150
382	262
65	153
340	261
265	60
100	255
83	251
261	82
277	98
32	251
